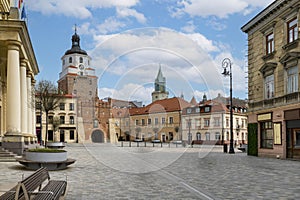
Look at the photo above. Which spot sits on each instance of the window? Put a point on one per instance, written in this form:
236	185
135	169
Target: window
292	79
72	135
270	43
163	120
61	106
143	122
95	123
207	136
156	121
206	122
189	110
50	119
62	119
71	106
149	120
269	86
217	136
292	30
70	60
227	122
136	122
197	110
91	82
217	121
198	135
266	135
81	60
171	120
72	120
63	62
38	119
207	109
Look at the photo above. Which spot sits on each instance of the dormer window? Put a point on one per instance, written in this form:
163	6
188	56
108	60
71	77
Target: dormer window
207	109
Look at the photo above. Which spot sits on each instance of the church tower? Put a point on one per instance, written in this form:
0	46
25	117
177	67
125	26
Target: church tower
159	92
77	78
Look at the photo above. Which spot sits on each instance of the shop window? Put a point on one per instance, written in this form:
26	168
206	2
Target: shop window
266	135
207	136
217	136
198	135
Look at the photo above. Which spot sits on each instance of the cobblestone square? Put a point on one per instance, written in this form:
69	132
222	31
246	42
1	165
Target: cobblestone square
104	171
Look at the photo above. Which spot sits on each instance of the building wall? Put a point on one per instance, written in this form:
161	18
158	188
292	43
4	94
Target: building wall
62	133
165	130
262	109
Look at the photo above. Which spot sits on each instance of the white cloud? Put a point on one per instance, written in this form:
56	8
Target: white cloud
127	12
189	28
111	24
133	57
76	8
218	8
127	92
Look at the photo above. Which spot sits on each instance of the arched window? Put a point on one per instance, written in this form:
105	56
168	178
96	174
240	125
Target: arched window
81	60
70	60
198	136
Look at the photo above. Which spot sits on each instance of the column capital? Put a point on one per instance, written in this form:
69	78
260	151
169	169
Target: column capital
24	62
13	44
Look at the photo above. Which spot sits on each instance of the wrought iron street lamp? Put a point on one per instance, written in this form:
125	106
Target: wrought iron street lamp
225	64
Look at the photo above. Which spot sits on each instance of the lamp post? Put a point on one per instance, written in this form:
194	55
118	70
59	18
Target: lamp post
225	64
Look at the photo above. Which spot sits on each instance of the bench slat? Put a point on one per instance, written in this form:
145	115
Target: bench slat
25	188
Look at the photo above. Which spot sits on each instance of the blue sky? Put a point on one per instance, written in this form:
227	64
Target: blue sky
129	39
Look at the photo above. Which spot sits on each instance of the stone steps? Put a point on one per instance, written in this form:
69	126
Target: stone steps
6	156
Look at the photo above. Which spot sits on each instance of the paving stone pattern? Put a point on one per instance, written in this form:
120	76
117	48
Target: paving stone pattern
104	171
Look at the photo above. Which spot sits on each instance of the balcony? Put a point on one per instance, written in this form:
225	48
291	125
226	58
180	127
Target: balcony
287	99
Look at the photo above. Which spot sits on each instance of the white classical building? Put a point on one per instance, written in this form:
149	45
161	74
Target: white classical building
18	68
209	122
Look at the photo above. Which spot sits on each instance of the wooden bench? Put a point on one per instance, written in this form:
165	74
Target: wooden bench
31	187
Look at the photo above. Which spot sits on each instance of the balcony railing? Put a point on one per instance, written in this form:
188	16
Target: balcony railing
276	102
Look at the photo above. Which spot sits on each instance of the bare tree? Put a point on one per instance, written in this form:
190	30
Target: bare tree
49	99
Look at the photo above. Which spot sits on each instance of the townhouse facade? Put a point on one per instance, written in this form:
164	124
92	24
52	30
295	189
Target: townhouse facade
62	122
160	120
209	123
273	86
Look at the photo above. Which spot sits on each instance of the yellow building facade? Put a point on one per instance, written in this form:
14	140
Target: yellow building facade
273	72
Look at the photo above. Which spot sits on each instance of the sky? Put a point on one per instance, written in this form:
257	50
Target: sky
129	39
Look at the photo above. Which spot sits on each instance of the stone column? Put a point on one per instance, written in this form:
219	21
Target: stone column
29	99
25	104
13	118
33	117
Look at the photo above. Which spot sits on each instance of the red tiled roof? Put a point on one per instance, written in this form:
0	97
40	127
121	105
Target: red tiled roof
161	106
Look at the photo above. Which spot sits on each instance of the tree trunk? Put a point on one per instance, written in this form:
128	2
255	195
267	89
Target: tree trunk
46	134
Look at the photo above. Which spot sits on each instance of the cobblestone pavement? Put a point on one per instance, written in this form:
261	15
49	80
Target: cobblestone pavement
104	171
